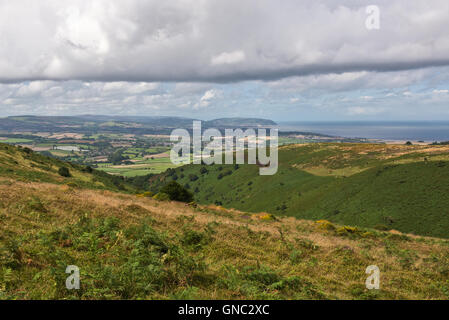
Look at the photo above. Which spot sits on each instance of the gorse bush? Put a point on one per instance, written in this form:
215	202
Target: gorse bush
160	196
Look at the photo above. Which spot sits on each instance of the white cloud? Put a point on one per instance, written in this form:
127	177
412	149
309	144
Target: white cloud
32	88
228	58
441	91
358	110
207	98
208	95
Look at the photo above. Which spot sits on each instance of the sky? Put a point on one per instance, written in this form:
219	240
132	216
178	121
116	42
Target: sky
284	60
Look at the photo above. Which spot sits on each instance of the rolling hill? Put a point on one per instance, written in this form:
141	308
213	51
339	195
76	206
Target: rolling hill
89	124
399	187
129	246
22	164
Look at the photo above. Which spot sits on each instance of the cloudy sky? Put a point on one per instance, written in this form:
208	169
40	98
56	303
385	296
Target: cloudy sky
284	60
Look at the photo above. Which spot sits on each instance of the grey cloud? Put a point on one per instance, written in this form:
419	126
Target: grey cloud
215	41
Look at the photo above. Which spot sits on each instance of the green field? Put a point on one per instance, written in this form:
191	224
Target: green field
140	168
16	140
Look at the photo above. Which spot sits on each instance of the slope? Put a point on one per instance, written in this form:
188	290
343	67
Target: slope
373	185
25	165
128	247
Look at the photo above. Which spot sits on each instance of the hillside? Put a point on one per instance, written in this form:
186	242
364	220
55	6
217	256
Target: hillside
371	185
129	247
22	164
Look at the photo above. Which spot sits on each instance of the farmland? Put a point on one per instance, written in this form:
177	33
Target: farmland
124	146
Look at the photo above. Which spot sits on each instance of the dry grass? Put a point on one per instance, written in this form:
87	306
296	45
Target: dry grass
333	264
352	158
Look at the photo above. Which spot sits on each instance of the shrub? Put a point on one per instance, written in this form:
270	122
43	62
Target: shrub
262	275
267	216
64	172
192	237
161	196
176	192
170	172
295	256
203	170
193	177
345	230
148	194
72	184
325	225
88	169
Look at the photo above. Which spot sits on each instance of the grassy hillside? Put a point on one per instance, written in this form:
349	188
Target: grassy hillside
372	185
129	247
22	164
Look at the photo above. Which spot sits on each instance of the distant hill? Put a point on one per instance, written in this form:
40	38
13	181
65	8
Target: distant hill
118	124
372	185
239	122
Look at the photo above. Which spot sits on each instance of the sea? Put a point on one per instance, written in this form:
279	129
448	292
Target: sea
428	131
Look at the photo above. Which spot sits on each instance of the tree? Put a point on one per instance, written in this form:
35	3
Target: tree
408	143
176	192
117	157
64	172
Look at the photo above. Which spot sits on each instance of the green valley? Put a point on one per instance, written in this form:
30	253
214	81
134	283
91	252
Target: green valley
371	185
